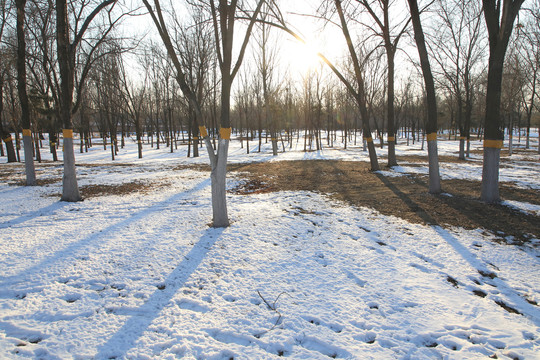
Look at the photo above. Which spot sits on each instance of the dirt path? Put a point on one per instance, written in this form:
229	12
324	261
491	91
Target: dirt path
406	197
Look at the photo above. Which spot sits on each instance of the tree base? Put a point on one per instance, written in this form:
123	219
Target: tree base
490	175
434	175
70	188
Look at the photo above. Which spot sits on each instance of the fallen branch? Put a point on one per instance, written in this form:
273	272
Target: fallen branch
273	308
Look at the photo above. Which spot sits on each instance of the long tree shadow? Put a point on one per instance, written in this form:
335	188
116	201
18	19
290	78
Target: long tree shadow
125	338
69	251
46	211
496	217
524	307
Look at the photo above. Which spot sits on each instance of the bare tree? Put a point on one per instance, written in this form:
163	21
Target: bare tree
266	60
528	42
196	44
431	123
499	16
224	19
133	100
458	51
5	10
390	34
67	50
356	89
23	95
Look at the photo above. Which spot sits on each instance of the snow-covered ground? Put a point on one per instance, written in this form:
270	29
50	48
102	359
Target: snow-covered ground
143	276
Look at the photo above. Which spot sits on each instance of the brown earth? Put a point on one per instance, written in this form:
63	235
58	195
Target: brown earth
406	197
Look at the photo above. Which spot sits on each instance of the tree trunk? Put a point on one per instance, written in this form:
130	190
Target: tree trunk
36	148
5	135
219	180
23	96
431	124
392	161
70	188
219	167
10	149
499	35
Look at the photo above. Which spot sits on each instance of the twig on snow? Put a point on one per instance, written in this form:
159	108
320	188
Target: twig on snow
273	308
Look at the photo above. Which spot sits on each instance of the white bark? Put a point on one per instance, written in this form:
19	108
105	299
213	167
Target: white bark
490	175
434	176
218	181
70	188
29	161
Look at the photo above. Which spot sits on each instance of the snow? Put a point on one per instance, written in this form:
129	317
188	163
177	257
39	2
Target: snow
298	275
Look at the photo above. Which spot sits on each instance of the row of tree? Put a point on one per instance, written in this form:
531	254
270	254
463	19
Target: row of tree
73	69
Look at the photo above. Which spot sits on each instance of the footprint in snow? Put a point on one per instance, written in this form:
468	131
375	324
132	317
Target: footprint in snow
337	328
356	279
368	337
421	268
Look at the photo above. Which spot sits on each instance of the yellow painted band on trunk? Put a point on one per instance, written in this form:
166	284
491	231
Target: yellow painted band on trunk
202	130
497	144
391	138
432	137
195	138
8	139
67	133
273	139
27	132
462	138
368	139
225	133
53	144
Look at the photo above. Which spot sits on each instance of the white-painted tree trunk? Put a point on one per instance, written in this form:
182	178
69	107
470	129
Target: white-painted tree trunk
29	161
218	184
434	175
490	175
462	149
70	189
274	147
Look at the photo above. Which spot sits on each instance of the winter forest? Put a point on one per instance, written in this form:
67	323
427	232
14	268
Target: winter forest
257	179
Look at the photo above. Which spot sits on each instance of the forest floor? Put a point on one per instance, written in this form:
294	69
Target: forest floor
406	197
322	259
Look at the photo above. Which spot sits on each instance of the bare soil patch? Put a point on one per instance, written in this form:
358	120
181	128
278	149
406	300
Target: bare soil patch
90	191
406	197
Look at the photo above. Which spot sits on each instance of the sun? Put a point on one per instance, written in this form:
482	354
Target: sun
302	57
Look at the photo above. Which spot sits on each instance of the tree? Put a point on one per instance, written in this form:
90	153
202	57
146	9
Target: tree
431	123
196	45
528	42
133	100
67	51
356	89
458	50
390	42
223	20
23	95
266	65
4	133
499	22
